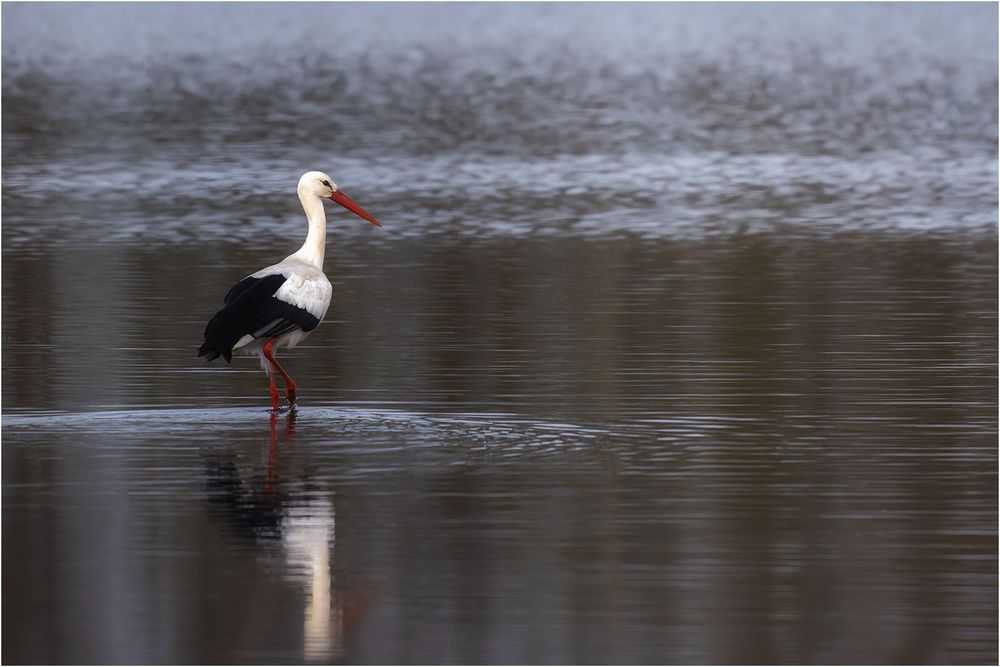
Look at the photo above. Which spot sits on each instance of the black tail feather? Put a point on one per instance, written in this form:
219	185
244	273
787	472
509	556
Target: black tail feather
219	339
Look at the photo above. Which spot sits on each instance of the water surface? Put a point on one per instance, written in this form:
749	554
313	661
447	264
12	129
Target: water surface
679	344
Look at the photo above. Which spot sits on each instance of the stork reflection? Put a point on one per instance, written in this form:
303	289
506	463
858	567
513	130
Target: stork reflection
297	516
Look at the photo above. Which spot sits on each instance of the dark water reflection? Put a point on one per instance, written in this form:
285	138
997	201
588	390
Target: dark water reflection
390	536
620	328
679	344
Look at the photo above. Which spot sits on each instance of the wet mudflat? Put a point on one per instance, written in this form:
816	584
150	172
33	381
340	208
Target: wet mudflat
662	356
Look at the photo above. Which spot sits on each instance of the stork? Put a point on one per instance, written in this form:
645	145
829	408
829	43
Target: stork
281	304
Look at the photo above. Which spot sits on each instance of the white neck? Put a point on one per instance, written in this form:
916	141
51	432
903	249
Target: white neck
314	248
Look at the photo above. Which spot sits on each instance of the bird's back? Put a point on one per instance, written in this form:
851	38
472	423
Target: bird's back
305	287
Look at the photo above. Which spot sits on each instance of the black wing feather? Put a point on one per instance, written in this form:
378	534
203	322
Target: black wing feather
252	309
247	283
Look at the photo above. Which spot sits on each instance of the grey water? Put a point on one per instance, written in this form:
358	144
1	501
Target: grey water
679	344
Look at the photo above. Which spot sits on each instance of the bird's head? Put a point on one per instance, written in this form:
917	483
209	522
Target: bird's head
316	183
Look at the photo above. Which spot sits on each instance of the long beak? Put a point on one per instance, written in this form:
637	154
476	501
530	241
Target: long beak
353	207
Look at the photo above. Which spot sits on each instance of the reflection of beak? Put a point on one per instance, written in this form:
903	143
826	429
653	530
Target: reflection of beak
353	207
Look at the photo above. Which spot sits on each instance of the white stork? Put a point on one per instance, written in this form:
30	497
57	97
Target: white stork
281	304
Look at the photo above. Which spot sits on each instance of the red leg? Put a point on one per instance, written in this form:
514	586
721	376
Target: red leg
289	382
274	391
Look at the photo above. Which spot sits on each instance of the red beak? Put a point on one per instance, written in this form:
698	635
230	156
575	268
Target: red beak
353	207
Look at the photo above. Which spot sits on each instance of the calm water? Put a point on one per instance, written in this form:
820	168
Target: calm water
679	344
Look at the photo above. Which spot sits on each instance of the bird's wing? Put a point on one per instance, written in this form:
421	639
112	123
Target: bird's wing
252	309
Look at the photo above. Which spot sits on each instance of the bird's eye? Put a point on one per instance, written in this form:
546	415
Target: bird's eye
326	183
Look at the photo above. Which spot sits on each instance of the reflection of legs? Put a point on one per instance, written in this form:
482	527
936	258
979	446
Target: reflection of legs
272	445
272	449
289	382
